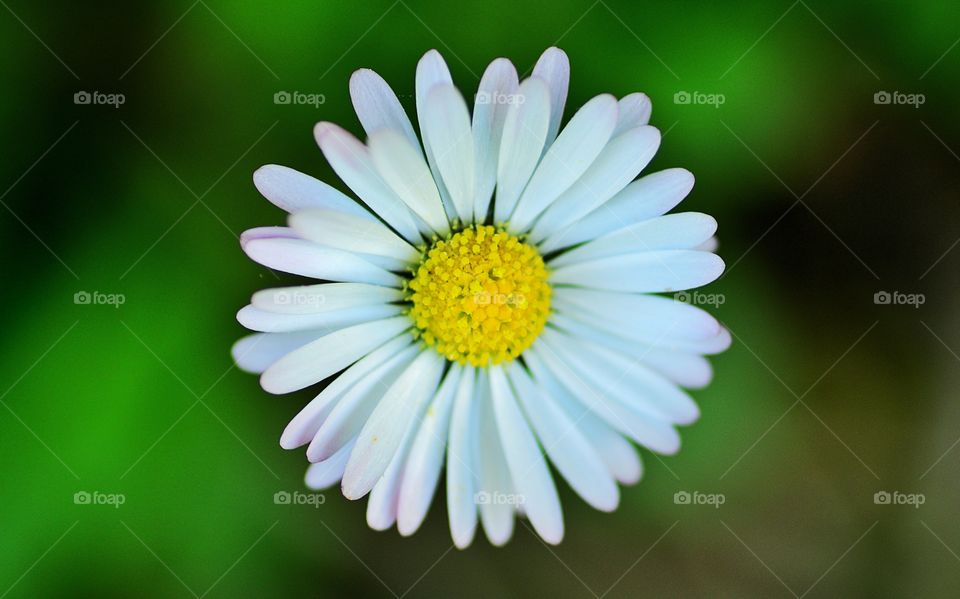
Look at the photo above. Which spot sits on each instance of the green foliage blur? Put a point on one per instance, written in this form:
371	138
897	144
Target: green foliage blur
824	199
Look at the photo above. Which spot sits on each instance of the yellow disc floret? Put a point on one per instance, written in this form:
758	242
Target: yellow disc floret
480	297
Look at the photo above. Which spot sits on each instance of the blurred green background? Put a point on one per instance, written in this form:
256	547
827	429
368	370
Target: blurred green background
824	198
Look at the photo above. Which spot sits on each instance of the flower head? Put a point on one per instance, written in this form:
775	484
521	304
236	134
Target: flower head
480	297
490	301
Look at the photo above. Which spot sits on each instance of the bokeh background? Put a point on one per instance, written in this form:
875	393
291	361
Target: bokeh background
824	199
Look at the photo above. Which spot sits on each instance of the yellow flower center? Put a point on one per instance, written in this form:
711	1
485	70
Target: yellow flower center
480	297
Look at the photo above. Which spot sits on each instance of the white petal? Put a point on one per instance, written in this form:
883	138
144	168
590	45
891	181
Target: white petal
423	465
682	231
305	258
709	245
308	421
619	163
463	462
562	440
649	318
620	456
554	68
646	272
627	380
448	127
498	90
402	167
384	430
496	489
647	197
272	322
351	412
378	107
617	453
327	473
305	424
600	331
317	360
578	145
385	262
528	470
255	353
683	368
293	191
718	344
384	496
431	71
641	426
524	134
326	297
266	233
351	161
634	111
352	234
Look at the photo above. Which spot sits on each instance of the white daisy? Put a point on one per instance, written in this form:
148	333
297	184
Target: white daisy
490	301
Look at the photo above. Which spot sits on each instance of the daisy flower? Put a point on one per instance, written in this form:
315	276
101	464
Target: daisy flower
489	301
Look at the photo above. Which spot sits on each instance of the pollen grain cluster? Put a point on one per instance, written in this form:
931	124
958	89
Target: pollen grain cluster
480	297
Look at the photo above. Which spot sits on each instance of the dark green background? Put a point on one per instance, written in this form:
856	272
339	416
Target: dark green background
823	197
